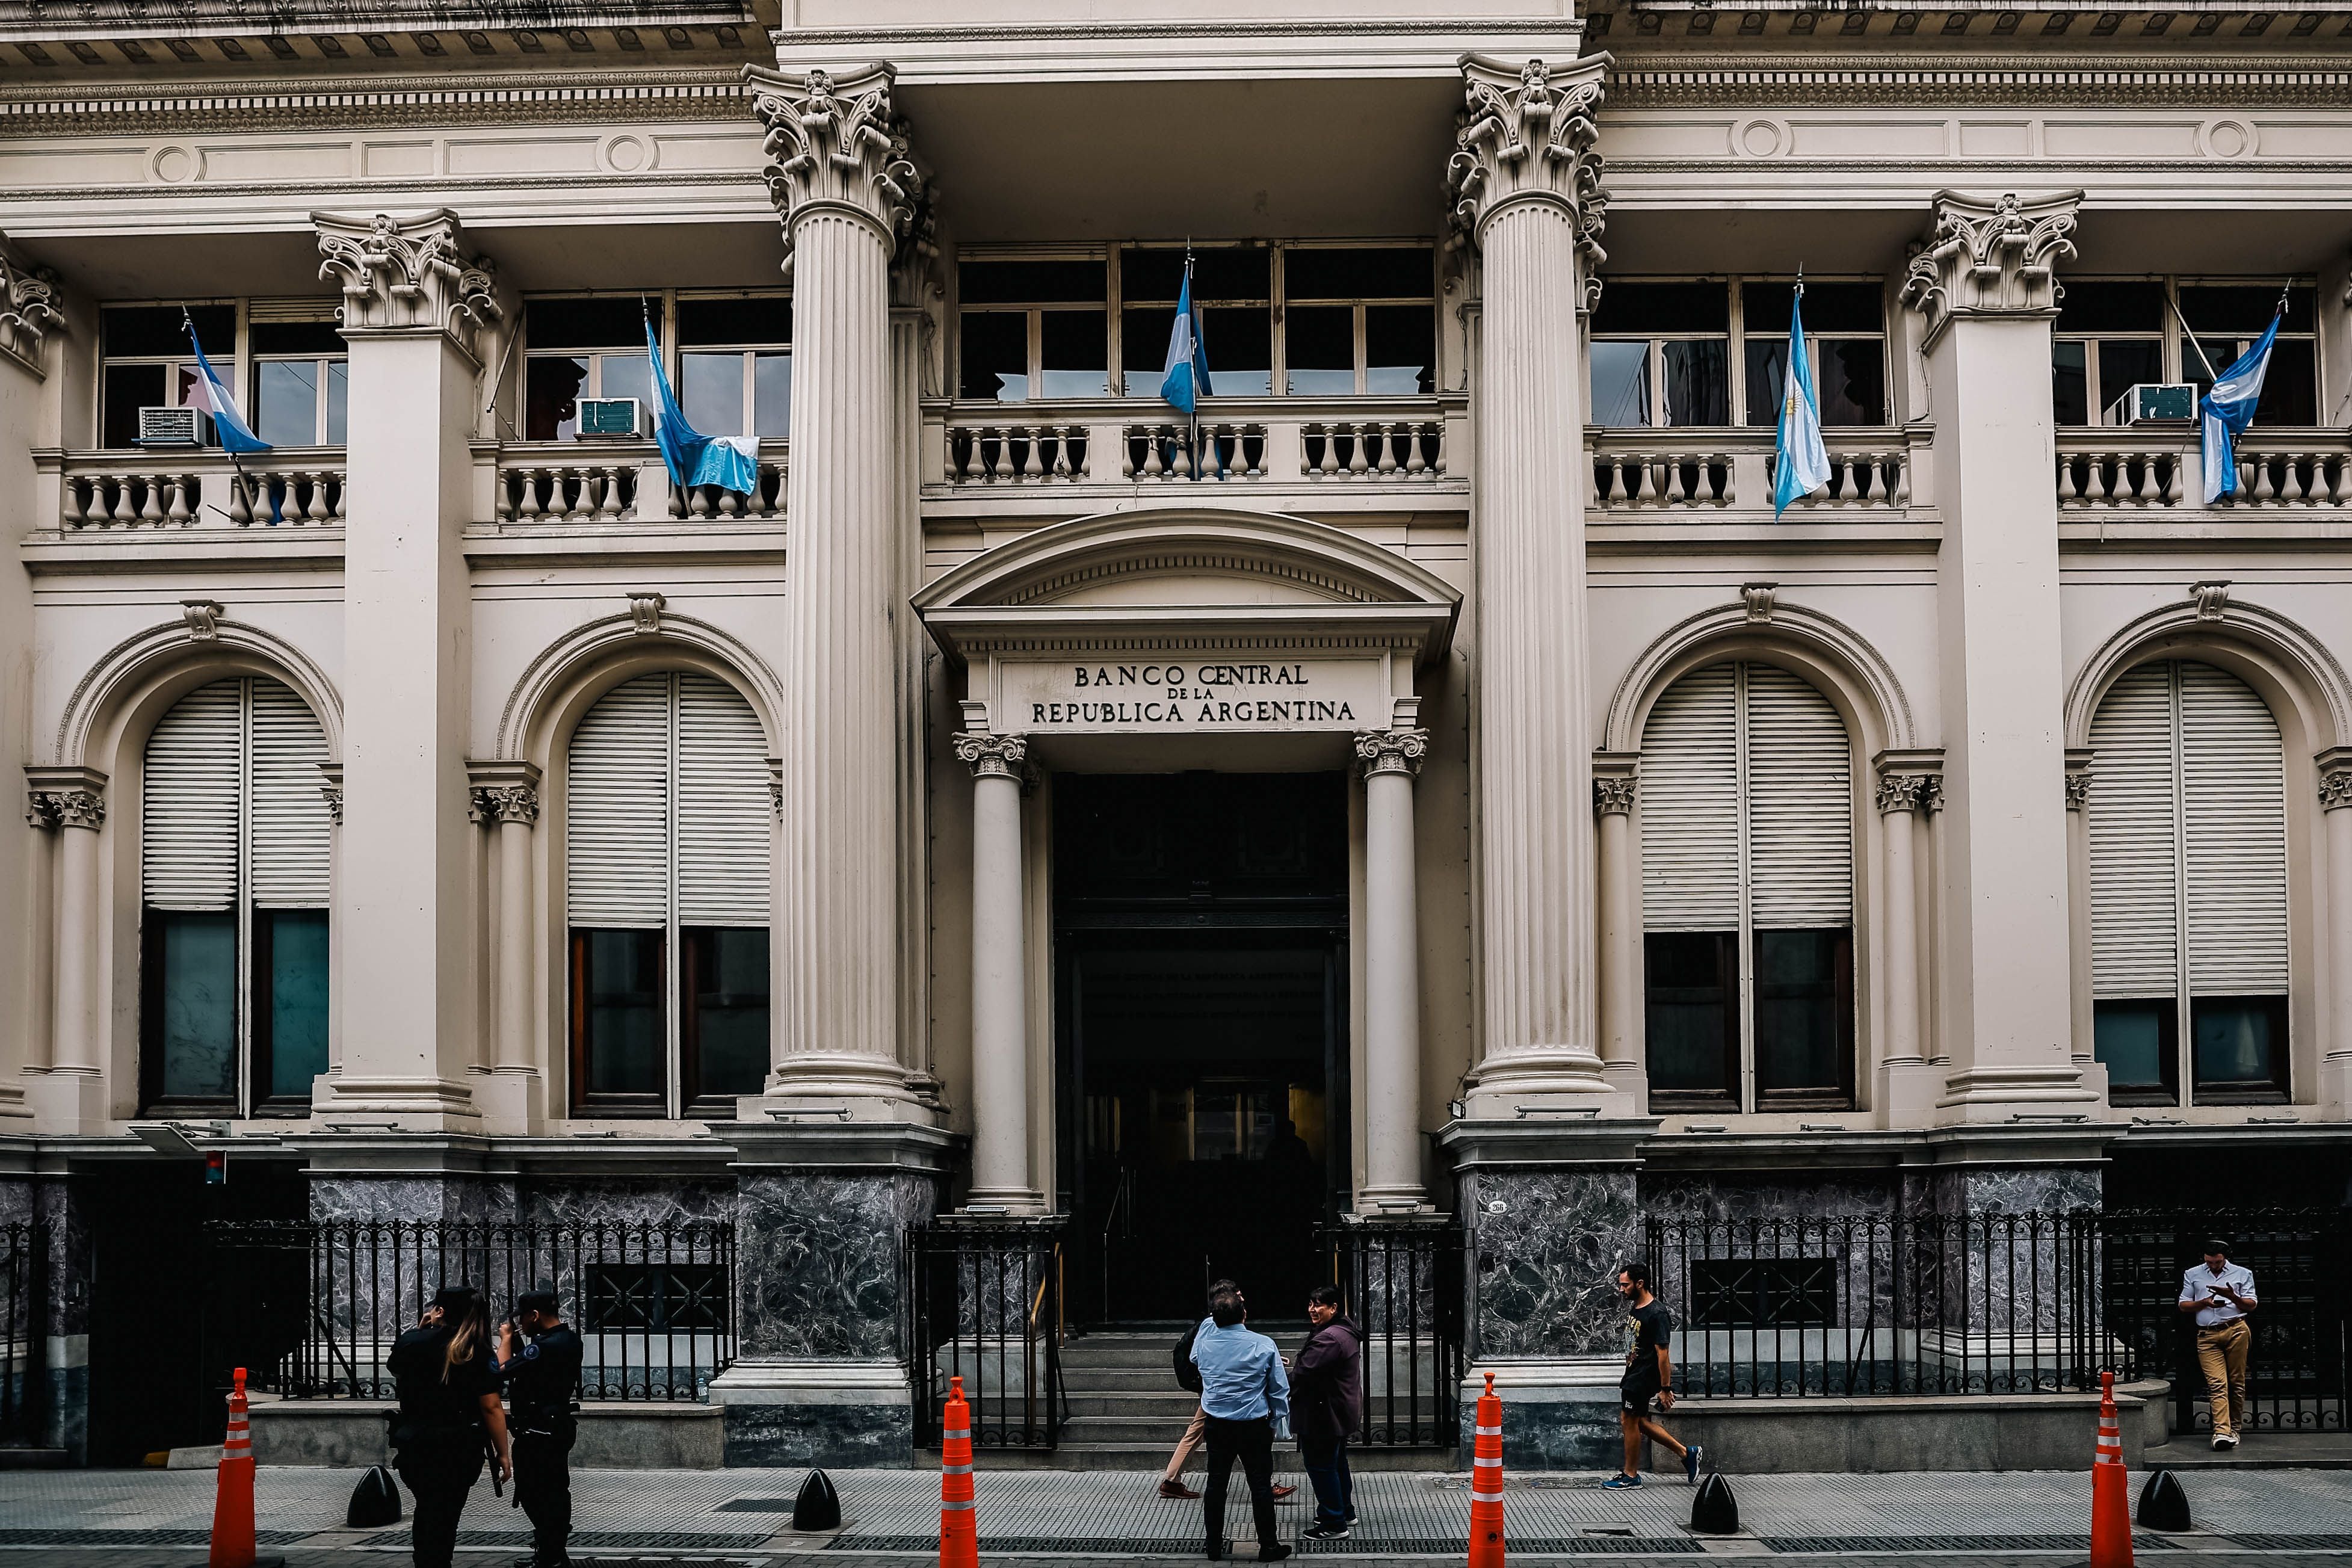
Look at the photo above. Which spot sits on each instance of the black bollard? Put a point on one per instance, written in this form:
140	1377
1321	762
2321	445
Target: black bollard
375	1501
1715	1511
819	1506
2163	1505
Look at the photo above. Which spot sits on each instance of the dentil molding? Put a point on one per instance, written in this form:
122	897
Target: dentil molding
1991	258
1527	134
404	273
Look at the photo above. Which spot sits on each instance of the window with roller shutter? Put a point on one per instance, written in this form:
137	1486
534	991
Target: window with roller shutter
1747	827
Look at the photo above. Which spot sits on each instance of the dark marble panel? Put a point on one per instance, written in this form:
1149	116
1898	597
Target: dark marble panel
817	1259
70	1262
1547	1243
2015	1189
1553	1435
16	1201
1743	1195
625	1200
449	1197
837	1436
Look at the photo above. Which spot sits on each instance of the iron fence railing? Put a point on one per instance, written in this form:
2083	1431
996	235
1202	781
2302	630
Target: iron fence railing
1404	1284
653	1301
1886	1304
24	1333
984	1302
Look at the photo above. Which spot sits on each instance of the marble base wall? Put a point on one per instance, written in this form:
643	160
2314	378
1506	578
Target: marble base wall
1546	1246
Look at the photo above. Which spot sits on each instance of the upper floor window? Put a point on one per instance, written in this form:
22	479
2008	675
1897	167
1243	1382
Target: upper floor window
145	362
735	365
1032	329
582	348
234	850
301	380
1358	320
1716	353
2114	334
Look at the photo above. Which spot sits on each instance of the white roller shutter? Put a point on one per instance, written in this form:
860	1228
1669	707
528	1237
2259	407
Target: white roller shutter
2234	802
292	829
616	808
724	810
188	801
1800	805
1689	800
2135	839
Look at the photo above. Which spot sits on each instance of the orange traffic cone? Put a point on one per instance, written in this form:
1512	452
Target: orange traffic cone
1487	1482
959	1532
233	1500
2111	1524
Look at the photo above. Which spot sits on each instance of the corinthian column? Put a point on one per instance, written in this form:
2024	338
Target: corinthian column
846	191
1526	183
1391	976
999	999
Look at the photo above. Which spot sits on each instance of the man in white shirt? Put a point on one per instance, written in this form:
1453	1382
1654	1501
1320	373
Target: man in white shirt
2222	1293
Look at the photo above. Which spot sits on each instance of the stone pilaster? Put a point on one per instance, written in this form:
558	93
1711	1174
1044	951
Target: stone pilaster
1983	284
1391	1086
1002	1182
1616	783
1907	1087
2335	769
72	1095
505	798
846	192
1524	177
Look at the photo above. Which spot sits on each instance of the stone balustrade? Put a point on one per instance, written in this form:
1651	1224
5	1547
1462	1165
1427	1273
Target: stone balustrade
566	492
1016	454
1169	450
197	489
615	482
1703	471
2101	469
1374	448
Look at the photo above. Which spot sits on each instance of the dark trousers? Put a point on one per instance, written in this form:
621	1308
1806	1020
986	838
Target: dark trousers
439	1475
1326	1472
1252	1442
542	1483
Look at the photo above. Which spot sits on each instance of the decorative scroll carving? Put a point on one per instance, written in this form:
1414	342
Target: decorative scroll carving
1529	133
839	143
1901	792
506	803
997	755
203	616
1392	750
1759	597
646	611
2078	789
409	272
1613	793
1987	258
28	307
2212	598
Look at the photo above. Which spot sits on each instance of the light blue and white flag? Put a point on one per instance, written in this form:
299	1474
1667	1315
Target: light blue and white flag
211	396
1801	464
1185	380
730	462
2229	409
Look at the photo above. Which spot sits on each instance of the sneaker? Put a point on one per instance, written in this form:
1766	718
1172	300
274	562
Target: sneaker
1178	1489
1351	1516
2225	1443
1691	1457
1619	1481
1274	1554
1327	1532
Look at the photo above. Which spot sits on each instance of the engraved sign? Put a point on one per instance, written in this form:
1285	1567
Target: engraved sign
1176	695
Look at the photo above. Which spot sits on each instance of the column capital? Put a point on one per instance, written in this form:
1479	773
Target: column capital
1527	135
502	792
1392	750
992	756
330	786
72	796
2078	777
836	142
1991	258
2335	766
408	274
28	307
1614	792
1908	779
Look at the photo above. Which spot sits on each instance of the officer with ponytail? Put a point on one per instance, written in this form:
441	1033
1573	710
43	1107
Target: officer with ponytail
449	1416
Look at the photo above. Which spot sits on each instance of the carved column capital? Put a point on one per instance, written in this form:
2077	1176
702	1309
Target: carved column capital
82	808
1931	794
1908	780
992	756
1614	796
1526	134
28	307
835	143
506	803
41	812
1900	792
330	786
2336	778
1392	750
1991	258
66	796
408	274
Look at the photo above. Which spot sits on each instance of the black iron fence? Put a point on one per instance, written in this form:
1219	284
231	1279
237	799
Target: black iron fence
24	1333
2300	1363
1886	1304
984	1302
1403	1282
652	1302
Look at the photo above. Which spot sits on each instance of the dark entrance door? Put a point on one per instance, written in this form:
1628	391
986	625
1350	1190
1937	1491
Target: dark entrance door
1200	949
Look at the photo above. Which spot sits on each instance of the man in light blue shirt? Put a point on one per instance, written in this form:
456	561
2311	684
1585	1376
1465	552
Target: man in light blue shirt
1245	1395
2220	1293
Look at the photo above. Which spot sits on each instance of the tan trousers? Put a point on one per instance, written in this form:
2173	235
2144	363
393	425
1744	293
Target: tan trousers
2221	1357
1193	1431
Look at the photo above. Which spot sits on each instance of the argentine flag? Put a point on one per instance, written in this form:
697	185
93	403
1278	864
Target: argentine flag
730	462
1803	465
2226	412
211	396
1185	380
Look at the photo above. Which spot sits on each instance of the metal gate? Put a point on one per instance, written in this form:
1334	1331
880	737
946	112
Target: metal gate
984	1303
2301	1360
24	1334
1404	1284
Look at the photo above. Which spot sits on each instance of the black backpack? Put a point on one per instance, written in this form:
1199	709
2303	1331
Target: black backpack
1188	1375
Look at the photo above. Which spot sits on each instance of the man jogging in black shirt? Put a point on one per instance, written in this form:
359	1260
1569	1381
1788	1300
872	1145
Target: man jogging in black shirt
542	1378
1649	1375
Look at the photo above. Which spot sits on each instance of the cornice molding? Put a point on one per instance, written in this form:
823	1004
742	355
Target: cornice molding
1637	83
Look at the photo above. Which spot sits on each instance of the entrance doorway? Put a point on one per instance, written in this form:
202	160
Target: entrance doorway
1202	973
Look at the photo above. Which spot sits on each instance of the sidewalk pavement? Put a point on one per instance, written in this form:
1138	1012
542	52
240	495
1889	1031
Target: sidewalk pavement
743	1517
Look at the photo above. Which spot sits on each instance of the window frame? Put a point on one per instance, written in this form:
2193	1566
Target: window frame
232	373
1736	337
666	329
1357	305
674	349
2175	358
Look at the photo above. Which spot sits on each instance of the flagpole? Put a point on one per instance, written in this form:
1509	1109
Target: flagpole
235	464
2191	333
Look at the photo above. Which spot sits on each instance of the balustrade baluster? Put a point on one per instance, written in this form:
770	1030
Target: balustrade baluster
337	513
1185	457
2146	492
1328	464
1387	452
527	488
729	504
2067	492
1357	458
240	502
1901	464
608	505
177	511
150	509
2339	470
316	511
1062	434
1152	466
1032	452
70	510
1415	465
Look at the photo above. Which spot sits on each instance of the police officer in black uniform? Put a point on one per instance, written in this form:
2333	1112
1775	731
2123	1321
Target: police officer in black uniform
543	1378
449	1416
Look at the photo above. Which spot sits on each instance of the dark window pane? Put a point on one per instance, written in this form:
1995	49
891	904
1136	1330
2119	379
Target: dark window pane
710	392
1143	348
286	402
1228	273
995	356
129	388
2125	364
1238	344
1852	380
586	323
1399	348
1665	308
550	386
2134	307
618	997
772	395
1768	379
2237	1047
2070	384
290	1009
158	330
1828	308
1382	272
2138	1043
192	995
1032	283
1698	390
1319	341
738	323
1804	1014
725	1024
1075	347
2290	389
2217	310
1621	384
1690	991
324	339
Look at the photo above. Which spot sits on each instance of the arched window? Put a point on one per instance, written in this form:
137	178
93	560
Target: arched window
1746	821
667	820
235	839
2188	938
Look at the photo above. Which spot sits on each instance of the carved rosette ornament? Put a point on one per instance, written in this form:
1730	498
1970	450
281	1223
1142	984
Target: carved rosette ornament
1613	795
1392	750
1527	135
506	803
835	143
992	756
1991	258
28	307
406	273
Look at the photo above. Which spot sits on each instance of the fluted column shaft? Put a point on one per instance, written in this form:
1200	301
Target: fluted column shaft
514	943
1898	805
1000	997
1621	923
41	932
1391	1088
79	1047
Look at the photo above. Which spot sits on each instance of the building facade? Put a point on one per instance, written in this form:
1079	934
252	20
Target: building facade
1432	780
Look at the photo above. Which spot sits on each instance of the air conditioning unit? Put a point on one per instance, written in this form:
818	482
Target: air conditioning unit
173	426
611	416
2155	403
